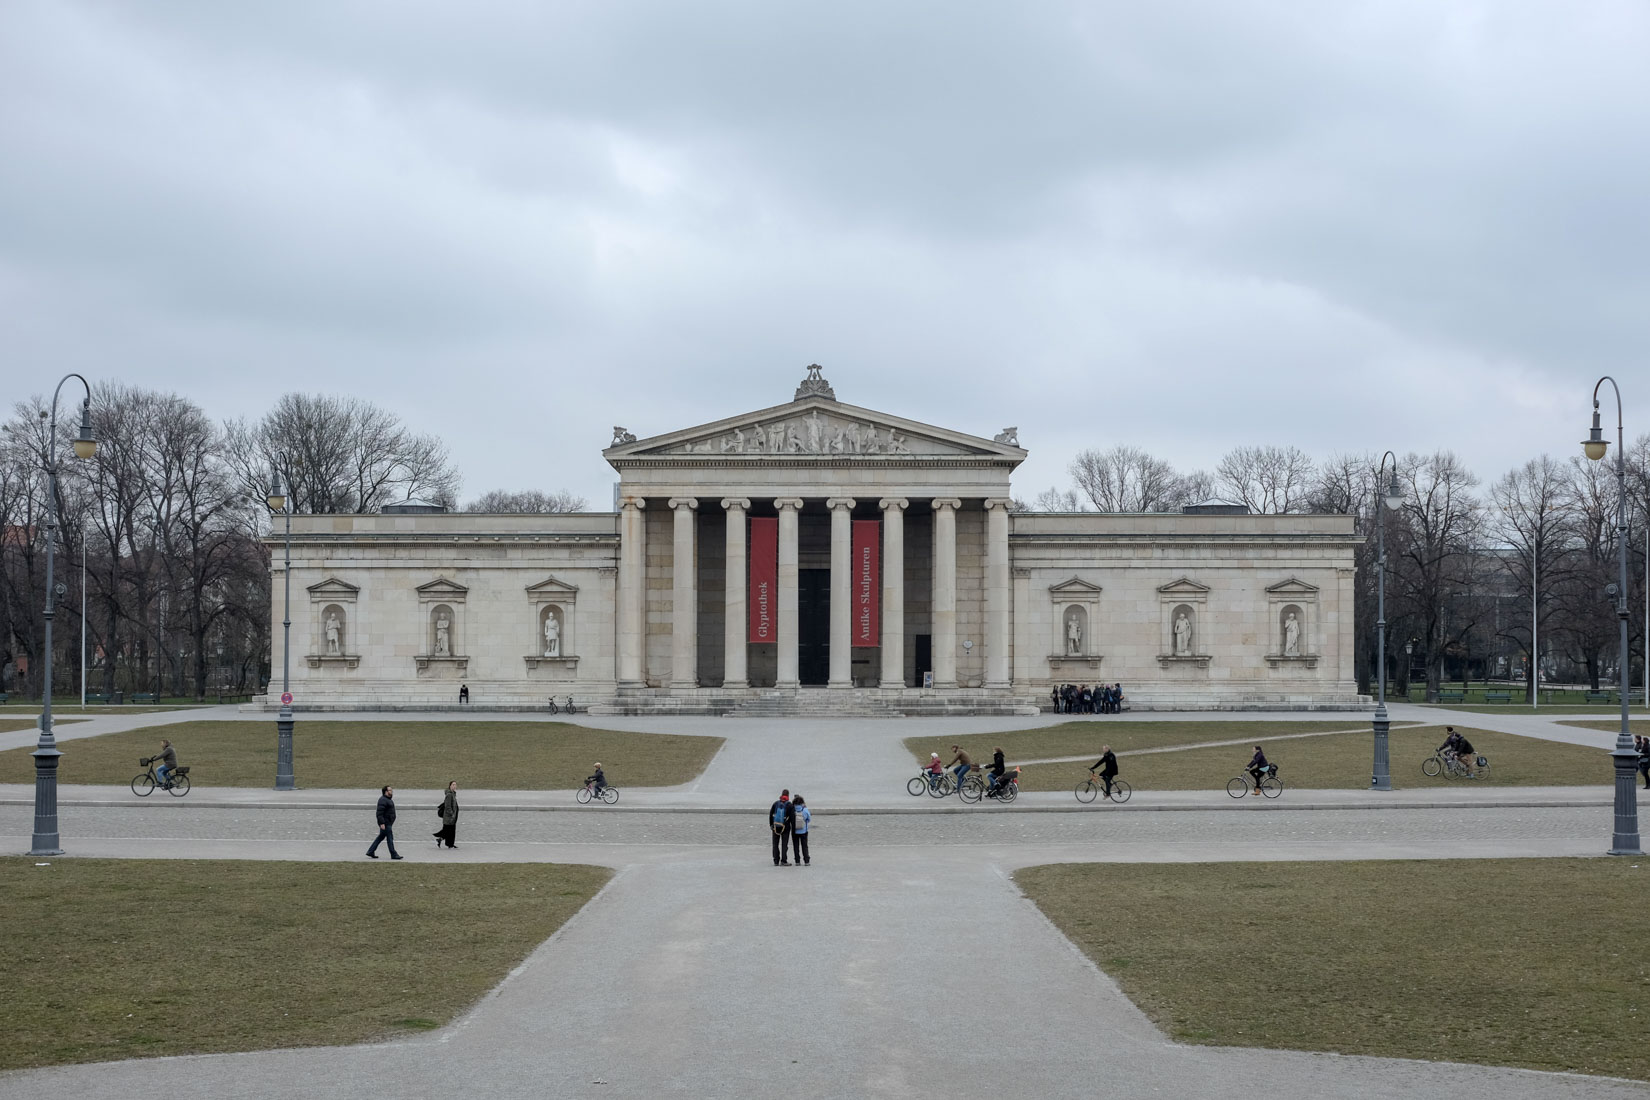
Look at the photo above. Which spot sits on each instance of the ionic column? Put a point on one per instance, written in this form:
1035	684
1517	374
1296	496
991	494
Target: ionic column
945	592
787	637
632	589
893	590
684	598
998	598
733	635
842	591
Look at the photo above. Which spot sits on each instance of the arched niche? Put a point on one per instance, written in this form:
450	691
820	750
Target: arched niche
334	630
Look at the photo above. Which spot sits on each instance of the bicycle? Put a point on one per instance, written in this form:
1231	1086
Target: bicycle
177	781
937	786
1092	786
609	795
974	786
1238	786
567	707
1449	765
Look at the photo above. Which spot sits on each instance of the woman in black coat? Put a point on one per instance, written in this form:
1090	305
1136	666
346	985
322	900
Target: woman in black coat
449	817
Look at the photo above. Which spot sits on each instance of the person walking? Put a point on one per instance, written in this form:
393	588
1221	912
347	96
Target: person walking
780	821
801	820
386	823
449	817
1643	745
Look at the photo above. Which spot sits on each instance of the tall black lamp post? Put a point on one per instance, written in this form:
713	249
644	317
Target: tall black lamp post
1389	497
47	842
276	499
1625	842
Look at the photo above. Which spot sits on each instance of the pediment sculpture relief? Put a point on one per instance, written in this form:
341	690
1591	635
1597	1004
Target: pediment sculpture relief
813	434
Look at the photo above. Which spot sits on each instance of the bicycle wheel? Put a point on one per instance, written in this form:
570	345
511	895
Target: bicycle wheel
1237	787
973	789
1432	766
143	785
610	795
1271	787
1483	770
583	795
915	786
180	786
1086	790
940	787
1010	791
1120	791
570	708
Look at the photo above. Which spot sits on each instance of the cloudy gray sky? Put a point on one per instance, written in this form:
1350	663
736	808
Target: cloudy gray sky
1182	226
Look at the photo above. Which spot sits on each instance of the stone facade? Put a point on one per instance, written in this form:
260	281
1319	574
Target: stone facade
644	609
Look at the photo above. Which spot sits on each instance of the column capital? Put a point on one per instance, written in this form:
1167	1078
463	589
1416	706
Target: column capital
788	502
841	502
731	503
684	502
633	502
893	502
946	502
1005	503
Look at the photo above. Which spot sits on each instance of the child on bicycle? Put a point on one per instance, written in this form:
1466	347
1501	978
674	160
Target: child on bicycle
935	769
599	780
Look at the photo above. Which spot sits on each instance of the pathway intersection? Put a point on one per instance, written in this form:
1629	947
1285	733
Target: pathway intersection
903	963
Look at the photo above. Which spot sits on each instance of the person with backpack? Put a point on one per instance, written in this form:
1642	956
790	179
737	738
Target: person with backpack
801	821
781	821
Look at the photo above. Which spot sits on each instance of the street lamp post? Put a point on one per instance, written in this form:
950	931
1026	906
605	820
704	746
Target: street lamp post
1625	841
276	499
1388	500
46	841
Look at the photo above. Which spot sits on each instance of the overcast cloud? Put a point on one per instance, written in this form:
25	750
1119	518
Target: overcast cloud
1181	226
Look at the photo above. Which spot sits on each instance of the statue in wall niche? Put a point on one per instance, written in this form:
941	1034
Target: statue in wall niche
1074	635
443	636
335	637
1291	636
552	636
1182	636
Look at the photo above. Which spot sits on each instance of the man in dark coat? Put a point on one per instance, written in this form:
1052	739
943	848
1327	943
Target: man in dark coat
386	823
781	820
1106	766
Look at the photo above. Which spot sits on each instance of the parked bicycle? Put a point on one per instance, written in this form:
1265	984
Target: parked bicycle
1451	766
1092	786
938	786
177	780
564	708
1238	786
609	795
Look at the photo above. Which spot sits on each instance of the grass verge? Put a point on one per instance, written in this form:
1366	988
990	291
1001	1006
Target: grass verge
263	954
1342	761
1365	958
416	755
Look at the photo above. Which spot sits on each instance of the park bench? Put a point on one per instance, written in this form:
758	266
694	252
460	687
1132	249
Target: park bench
1452	697
1498	697
1600	697
4	697
96	697
145	697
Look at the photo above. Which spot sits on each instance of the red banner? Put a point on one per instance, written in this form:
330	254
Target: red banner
867	561
763	598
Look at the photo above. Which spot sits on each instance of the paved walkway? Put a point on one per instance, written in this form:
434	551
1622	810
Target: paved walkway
721	975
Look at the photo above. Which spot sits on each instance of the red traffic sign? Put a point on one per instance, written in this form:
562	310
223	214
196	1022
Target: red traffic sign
286	698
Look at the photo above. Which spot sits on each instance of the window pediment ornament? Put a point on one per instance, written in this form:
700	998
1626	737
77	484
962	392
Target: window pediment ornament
1292	589
1075	587
442	590
333	590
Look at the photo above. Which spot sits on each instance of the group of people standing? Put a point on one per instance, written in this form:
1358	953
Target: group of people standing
790	820
1081	699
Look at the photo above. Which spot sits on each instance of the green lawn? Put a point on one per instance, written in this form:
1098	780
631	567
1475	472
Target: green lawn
1362	958
264	954
1342	760
12	725
1086	737
484	755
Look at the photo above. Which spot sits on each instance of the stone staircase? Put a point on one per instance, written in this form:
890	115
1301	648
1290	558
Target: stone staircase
814	703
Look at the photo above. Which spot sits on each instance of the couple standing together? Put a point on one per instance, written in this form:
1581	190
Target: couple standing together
789	820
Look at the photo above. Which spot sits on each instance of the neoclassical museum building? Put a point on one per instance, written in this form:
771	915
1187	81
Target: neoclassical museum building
817	557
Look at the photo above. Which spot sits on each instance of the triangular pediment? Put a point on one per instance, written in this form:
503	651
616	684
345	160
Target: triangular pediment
442	589
1076	586
810	428
1185	586
550	586
333	589
1294	586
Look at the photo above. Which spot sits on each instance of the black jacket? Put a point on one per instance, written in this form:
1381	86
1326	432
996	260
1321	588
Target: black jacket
997	765
1107	764
386	810
1257	761
782	813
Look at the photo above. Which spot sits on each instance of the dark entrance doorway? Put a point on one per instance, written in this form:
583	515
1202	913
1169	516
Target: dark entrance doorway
813	626
924	655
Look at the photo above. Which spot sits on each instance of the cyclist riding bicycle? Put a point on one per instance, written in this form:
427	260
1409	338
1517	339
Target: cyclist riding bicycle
169	764
1106	766
1258	767
598	779
935	769
1457	747
962	763
997	770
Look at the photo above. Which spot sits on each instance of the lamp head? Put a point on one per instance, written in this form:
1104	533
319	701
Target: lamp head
1394	492
276	498
1595	444
85	444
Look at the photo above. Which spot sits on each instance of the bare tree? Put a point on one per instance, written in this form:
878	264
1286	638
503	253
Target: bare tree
341	455
1058	500
1433	555
1270	480
1588	617
1127	479
528	500
1533	519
